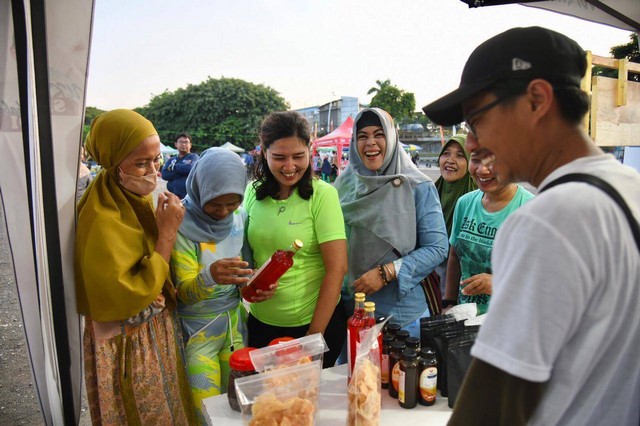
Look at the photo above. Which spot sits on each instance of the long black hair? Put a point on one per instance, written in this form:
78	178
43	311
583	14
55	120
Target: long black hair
275	126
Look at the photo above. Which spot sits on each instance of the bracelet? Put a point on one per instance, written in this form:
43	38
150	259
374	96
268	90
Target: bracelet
383	275
388	271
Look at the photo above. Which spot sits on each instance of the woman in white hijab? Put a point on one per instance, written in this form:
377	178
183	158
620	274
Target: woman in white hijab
395	228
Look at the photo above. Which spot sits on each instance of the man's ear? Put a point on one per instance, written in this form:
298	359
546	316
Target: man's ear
540	96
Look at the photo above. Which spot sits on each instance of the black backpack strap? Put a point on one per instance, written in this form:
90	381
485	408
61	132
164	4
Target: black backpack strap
608	189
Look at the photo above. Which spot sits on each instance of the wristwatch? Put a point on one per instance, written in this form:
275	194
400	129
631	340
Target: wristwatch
448	302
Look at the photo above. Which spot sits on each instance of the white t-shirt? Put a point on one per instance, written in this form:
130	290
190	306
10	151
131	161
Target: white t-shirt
566	303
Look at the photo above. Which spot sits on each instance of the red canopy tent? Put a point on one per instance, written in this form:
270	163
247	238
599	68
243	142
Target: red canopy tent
339	138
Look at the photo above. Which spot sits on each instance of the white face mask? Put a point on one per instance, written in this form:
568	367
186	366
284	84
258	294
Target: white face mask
140	185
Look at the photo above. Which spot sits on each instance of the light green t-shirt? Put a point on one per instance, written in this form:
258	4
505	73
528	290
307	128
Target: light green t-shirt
275	224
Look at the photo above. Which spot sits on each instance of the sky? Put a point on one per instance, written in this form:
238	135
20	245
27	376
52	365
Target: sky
310	51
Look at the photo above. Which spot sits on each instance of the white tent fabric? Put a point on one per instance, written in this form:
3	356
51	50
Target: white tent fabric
167	149
624	14
232	147
40	132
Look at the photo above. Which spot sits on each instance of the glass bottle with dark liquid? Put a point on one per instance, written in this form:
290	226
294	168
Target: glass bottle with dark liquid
271	271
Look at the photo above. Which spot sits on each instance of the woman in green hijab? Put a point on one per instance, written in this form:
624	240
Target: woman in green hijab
454	182
134	370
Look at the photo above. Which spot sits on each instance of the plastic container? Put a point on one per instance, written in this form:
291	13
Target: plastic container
241	366
270	271
280	394
292	352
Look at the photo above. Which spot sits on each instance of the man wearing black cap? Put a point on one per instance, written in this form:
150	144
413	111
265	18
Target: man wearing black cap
561	342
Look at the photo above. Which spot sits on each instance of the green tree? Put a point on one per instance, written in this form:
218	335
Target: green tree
214	112
629	51
397	102
89	114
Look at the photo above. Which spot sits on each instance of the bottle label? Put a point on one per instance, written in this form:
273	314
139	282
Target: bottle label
384	369
395	375
401	392
428	382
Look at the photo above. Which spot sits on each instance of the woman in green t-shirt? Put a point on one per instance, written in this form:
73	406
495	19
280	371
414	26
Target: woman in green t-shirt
286	203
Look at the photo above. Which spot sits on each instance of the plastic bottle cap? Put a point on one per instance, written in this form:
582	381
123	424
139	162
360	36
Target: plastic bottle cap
280	340
359	297
387	339
409	354
412	342
397	345
402	334
241	361
369	307
427	353
297	244
393	328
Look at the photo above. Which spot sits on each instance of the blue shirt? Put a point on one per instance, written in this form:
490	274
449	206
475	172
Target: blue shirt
404	298
175	172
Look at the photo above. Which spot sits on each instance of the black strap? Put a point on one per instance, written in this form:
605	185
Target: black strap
608	189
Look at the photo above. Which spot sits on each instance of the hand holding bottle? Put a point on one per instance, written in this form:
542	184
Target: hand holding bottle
230	271
262	295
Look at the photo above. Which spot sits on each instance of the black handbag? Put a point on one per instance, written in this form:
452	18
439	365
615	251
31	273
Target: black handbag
432	293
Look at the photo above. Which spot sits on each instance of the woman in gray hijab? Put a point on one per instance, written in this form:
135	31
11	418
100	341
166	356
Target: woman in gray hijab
207	267
395	228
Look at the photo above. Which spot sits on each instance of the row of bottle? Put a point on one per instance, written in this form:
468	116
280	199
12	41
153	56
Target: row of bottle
363	318
409	373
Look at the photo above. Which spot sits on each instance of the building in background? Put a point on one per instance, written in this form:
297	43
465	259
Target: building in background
325	118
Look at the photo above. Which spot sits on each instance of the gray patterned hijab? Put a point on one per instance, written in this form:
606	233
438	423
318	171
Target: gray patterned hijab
217	172
378	206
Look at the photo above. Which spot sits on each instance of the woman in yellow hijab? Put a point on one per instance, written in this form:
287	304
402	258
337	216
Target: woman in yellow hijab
134	369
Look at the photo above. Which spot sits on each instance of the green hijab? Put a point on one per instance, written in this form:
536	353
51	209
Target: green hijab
449	192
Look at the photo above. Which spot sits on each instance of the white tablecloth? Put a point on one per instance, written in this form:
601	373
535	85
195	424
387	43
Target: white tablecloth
333	406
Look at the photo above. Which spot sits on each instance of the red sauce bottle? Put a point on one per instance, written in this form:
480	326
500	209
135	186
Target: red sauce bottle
354	325
271	271
370	320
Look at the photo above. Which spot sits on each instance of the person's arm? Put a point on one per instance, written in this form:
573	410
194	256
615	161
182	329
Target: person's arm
453	276
490	396
432	244
334	256
184	167
167	171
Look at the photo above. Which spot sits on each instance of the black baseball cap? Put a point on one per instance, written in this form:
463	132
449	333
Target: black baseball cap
516	54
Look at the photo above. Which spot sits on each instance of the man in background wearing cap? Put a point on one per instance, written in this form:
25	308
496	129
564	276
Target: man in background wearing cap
561	342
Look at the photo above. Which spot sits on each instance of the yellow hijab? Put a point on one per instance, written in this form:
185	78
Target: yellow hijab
118	273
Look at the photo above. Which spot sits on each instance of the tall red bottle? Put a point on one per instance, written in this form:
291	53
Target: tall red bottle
271	271
370	320
354	325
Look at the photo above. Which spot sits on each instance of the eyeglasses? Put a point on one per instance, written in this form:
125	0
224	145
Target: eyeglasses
476	112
